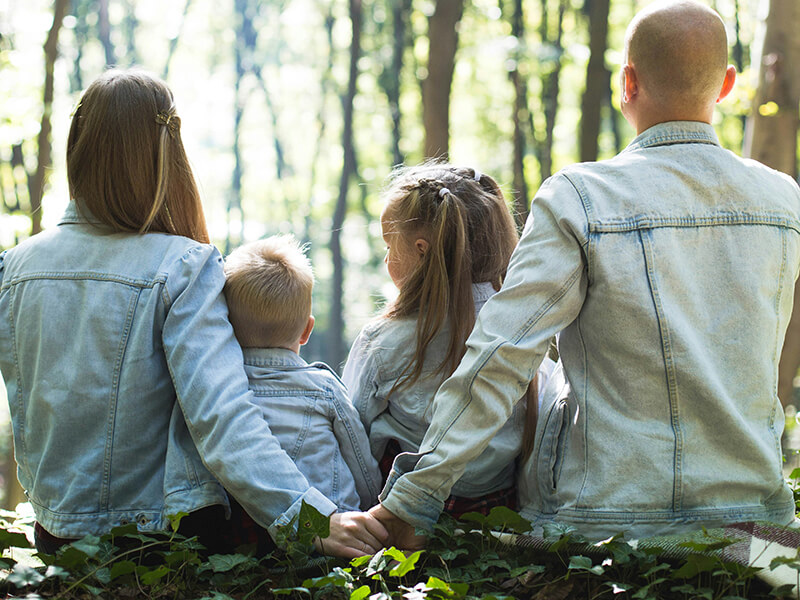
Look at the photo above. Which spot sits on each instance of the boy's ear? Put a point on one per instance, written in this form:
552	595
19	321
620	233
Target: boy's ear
307	331
422	246
630	83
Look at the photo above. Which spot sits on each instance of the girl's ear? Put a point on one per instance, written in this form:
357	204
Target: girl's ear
422	246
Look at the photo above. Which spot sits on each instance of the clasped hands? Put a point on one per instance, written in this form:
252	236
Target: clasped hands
354	534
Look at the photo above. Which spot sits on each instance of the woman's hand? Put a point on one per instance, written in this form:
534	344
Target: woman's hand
353	534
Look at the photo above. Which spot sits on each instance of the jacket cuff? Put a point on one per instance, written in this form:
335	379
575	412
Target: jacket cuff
411	503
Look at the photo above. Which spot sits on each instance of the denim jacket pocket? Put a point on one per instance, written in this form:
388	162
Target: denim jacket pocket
551	452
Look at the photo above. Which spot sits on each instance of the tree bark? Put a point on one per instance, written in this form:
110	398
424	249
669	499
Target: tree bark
520	117
771	138
336	350
597	79
443	42
550	88
400	15
104	33
37	183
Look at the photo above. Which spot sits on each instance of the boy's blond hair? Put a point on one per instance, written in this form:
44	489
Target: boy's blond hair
268	287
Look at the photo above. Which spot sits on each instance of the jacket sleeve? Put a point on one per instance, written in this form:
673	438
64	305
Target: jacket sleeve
543	292
360	376
355	449
206	366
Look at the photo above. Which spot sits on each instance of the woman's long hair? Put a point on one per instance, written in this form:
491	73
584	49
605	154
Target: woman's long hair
126	164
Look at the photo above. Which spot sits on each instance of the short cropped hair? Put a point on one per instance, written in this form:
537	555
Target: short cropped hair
268	286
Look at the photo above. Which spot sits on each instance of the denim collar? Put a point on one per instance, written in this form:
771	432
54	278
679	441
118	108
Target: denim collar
674	132
73	216
272	357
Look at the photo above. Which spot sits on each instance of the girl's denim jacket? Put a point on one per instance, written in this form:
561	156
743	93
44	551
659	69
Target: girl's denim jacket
128	396
309	411
670	272
377	359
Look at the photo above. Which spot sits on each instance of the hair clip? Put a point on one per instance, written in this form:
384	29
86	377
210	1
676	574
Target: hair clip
169	120
443	192
477	176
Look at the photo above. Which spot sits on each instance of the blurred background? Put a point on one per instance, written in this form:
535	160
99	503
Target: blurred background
295	111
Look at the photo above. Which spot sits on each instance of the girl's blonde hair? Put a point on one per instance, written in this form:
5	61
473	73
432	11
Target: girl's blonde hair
126	164
471	234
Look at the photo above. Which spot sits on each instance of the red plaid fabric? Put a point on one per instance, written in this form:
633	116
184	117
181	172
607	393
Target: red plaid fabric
456	505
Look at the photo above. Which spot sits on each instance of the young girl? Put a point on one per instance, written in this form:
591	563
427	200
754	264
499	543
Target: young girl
128	396
449	236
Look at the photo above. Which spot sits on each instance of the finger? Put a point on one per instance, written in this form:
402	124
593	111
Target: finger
377	531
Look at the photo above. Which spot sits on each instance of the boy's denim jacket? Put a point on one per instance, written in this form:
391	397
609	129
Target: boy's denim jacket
308	410
128	397
671	271
378	357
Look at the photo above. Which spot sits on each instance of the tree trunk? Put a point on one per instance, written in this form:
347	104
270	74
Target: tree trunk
520	117
37	183
400	15
550	88
597	79
173	42
443	42
771	138
104	33
336	350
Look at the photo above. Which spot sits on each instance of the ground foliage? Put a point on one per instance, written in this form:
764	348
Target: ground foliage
466	559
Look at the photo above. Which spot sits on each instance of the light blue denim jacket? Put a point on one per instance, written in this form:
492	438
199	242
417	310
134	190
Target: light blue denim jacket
377	359
670	272
128	397
309	411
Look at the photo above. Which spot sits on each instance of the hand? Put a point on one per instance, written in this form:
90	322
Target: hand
353	534
402	534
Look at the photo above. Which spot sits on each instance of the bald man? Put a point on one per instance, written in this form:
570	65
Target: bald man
668	273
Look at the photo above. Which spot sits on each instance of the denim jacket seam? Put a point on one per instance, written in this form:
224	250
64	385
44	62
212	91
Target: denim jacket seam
19	396
721	219
777	345
86	276
669	367
338	414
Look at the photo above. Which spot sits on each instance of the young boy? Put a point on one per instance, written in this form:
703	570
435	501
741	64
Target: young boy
268	288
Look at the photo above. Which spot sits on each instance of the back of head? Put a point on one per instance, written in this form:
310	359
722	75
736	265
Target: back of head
679	51
268	286
126	164
471	234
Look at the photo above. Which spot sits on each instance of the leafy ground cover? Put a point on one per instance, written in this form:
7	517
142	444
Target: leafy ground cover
465	560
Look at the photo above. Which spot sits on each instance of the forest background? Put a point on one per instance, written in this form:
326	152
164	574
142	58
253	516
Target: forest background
295	111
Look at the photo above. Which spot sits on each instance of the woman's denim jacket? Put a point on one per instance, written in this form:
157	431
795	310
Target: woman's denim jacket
128	396
671	271
309	411
377	359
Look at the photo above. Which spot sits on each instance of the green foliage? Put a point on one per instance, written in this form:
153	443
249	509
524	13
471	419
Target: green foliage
476	557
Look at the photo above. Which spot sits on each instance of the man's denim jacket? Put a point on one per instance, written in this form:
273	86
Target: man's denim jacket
379	356
128	397
670	272
308	410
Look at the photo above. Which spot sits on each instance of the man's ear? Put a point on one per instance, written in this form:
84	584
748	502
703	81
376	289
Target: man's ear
727	83
422	246
630	83
307	331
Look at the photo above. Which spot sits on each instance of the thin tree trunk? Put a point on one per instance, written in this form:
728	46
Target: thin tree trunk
173	42
550	89
443	42
104	33
771	138
336	350
597	79
400	13
520	117
36	184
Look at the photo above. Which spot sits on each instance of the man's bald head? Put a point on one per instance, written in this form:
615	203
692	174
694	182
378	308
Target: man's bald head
679	51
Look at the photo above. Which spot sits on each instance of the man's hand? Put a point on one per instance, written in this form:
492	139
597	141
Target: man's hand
401	533
353	534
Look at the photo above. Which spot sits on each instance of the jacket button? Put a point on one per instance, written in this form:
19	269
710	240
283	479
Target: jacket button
123	521
142	519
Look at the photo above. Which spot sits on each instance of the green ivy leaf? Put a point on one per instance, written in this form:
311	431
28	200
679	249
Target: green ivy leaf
503	518
175	520
90	545
360	593
70	557
311	524
407	564
56	572
584	563
289	591
13	539
448	589
122	567
222	563
23	576
155	575
696	563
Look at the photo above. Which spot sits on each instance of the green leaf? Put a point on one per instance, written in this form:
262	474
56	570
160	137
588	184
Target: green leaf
155	575
122	567
406	565
222	563
89	545
311	524
56	572
175	520
23	576
448	555
360	593
696	563
70	557
9	539
503	518
584	563
288	591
